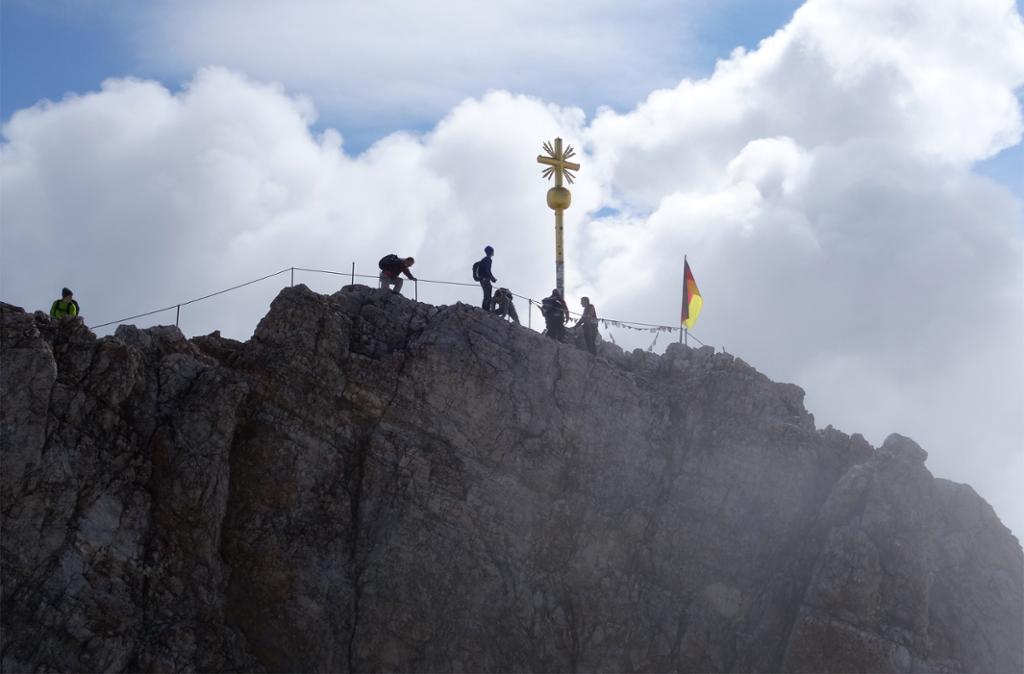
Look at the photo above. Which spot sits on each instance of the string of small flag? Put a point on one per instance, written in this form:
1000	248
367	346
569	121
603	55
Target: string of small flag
612	323
655	330
609	323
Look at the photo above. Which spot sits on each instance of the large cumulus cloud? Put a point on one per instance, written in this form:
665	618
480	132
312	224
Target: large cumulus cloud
139	198
821	186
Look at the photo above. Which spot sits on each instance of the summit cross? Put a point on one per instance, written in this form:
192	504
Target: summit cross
559	198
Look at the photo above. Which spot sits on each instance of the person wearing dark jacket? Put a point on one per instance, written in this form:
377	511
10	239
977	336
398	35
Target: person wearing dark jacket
486	277
503	305
65	306
589	322
390	267
556	313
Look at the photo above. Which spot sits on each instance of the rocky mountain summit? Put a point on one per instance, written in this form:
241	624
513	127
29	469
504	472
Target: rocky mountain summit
370	483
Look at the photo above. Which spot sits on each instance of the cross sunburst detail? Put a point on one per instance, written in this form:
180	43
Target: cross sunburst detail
558	163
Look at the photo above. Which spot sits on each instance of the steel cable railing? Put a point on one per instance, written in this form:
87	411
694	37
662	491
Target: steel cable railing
352	275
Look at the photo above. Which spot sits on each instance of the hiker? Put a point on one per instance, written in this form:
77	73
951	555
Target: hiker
390	267
589	322
556	313
65	306
482	273
503	305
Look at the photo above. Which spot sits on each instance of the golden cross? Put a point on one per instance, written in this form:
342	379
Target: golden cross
557	162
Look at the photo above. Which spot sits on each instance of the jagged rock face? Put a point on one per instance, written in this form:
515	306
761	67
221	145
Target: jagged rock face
375	484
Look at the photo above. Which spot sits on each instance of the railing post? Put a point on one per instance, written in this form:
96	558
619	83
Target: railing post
529	313
177	315
416	289
353	273
293	277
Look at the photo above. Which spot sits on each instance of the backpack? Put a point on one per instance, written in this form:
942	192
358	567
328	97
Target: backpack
389	262
476	270
66	310
551	308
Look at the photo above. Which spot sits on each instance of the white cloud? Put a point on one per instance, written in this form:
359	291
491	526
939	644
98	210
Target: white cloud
935	80
820	185
224	181
387	62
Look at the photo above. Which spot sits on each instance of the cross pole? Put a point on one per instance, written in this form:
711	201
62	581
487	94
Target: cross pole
559	198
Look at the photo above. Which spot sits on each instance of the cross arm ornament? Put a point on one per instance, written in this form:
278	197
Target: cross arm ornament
557	162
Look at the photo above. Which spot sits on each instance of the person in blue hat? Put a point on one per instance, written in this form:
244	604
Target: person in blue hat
482	273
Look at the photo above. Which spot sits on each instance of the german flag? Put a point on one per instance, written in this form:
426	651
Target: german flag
692	301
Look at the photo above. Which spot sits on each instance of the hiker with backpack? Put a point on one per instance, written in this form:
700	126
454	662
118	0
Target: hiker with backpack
66	306
589	322
390	267
482	274
503	305
556	313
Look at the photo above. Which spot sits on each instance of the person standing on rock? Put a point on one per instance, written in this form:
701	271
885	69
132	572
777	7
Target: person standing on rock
65	306
503	305
482	273
556	314
589	322
390	267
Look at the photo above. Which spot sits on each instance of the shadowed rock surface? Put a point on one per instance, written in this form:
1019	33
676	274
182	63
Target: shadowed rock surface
370	483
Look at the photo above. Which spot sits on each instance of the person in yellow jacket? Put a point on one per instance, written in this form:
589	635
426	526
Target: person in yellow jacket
65	306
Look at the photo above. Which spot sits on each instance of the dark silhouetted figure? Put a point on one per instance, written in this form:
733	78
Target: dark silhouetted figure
556	313
390	267
482	273
503	305
589	322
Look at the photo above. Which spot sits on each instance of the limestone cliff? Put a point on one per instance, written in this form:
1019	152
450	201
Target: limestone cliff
370	483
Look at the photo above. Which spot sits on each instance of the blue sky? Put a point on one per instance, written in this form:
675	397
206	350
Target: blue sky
49	49
1007	167
52	48
830	182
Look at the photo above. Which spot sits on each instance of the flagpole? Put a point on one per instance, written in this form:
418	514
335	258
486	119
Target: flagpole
682	328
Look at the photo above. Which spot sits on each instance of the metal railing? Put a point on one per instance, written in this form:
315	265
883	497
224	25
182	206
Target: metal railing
352	276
